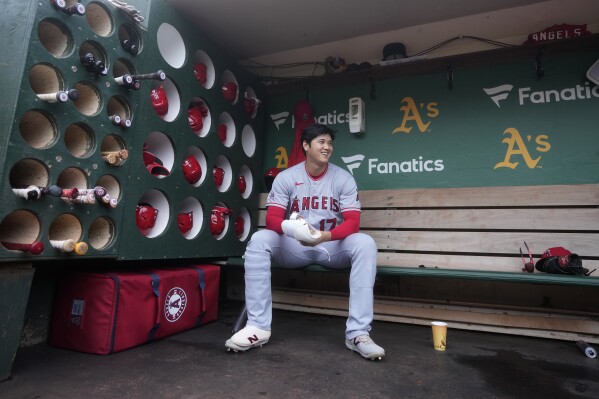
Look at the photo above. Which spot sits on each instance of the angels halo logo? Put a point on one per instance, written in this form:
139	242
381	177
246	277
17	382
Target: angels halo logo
175	304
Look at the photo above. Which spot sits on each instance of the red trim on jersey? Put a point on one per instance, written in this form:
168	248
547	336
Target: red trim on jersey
350	225
320	176
274	218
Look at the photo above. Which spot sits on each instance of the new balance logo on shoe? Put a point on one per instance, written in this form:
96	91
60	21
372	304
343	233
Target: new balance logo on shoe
253	338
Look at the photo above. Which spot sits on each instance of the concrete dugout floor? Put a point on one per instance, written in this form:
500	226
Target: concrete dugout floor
306	358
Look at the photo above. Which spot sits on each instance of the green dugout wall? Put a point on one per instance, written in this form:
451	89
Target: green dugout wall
499	125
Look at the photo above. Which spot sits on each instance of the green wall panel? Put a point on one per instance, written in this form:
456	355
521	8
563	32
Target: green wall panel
421	133
175	194
62	143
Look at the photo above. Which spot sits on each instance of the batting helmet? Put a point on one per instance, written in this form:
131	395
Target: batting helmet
269	177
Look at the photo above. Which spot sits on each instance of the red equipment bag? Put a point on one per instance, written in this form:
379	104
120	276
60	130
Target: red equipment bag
109	312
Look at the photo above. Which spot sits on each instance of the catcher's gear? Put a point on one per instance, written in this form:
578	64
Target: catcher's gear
298	228
159	100
558	260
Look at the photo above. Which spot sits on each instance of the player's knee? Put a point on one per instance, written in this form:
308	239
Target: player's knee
261	240
363	242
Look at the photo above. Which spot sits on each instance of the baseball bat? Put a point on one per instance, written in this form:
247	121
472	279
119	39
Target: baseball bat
99	191
70	193
34	248
241	320
115	119
124	80
130	47
52	190
81	248
63	245
56	97
31	192
158	75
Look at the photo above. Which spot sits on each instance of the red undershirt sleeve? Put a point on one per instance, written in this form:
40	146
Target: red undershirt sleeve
274	218
350	225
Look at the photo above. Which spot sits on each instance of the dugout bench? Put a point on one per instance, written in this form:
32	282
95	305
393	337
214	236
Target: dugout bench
473	234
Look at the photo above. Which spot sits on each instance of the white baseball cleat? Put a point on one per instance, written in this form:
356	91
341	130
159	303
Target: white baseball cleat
247	338
365	346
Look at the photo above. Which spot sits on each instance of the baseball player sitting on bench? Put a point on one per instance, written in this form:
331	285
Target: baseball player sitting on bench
322	203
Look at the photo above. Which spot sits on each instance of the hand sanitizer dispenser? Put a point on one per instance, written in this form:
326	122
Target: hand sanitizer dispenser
357	115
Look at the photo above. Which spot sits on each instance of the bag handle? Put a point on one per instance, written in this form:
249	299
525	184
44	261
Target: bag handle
156	290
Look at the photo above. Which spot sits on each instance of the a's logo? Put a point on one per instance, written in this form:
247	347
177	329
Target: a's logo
517	146
499	93
175	304
413	113
352	162
279	118
282	158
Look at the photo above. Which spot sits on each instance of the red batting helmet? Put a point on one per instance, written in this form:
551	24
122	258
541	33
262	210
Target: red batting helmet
229	91
159	100
185	222
192	169
222	132
217	219
241	184
218	174
269	177
145	217
194	116
239	226
199	71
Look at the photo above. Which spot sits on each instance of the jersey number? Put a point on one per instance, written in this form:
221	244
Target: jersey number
331	222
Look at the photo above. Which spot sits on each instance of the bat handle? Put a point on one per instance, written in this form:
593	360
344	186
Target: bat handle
158	75
81	248
63	245
34	248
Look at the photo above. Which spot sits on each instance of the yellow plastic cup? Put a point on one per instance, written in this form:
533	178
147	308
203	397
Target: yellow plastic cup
439	335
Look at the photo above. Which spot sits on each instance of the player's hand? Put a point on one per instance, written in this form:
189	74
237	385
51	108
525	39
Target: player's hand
324	237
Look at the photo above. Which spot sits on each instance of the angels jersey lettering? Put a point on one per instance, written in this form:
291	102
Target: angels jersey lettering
320	200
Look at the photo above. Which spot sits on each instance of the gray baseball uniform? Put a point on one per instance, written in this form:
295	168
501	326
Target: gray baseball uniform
319	201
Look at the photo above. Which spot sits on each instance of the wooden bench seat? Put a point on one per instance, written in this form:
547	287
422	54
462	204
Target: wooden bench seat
468	239
476	233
